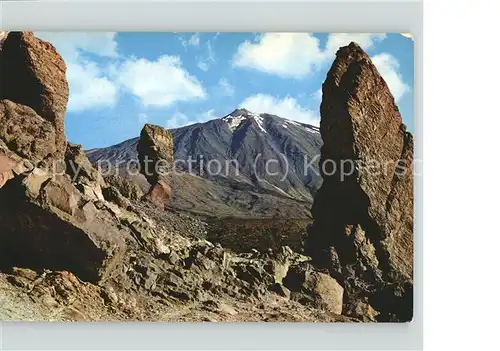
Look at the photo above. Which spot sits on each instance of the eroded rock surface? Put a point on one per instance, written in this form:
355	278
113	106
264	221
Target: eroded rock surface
126	187
25	133
156	156
34	74
51	216
363	213
76	247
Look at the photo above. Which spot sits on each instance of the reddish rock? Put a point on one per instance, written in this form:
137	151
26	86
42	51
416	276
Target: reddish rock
363	213
25	133
160	194
156	152
34	74
156	156
6	167
49	218
46	222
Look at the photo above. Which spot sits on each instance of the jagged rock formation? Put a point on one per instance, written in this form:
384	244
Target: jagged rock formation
72	247
34	74
195	281
26	133
156	156
125	186
52	211
363	212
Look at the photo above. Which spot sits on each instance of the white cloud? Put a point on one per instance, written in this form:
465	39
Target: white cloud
295	55
143	118
208	58
193	40
388	68
203	66
178	119
226	88
366	40
89	86
318	94
282	54
159	83
69	44
206	116
211	56
155	83
287	108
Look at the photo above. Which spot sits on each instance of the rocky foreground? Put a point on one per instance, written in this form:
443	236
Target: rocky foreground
80	247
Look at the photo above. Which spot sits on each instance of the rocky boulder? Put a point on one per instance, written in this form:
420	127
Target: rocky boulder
46	222
126	187
160	193
82	173
314	288
156	156
34	74
9	167
363	212
52	211
79	167
25	133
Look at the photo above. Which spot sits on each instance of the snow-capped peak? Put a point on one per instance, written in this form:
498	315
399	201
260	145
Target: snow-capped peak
307	127
234	121
235	118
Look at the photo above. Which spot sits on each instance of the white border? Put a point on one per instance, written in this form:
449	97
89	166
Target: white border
310	16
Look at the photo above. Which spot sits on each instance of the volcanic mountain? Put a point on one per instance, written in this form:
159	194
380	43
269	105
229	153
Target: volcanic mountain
243	164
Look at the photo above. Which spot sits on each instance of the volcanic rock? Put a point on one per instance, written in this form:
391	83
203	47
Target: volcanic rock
47	223
34	74
314	288
6	169
160	193
79	167
125	186
363	212
280	289
156	156
156	151
85	255
49	216
25	133
113	195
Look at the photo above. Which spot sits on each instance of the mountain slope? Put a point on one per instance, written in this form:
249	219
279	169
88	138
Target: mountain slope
241	164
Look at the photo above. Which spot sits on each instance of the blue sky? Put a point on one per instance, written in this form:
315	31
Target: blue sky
119	81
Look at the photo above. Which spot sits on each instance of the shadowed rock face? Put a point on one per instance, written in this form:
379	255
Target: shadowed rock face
26	133
156	156
34	74
363	213
47	223
50	217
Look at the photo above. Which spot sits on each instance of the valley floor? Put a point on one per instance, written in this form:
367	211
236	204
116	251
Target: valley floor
60	296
